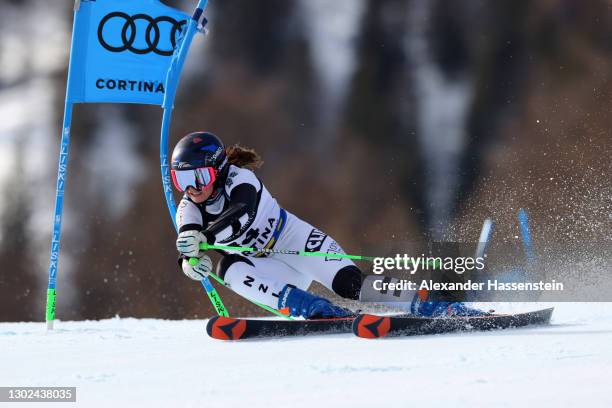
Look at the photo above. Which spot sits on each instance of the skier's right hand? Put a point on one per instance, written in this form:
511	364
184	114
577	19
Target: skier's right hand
198	271
188	243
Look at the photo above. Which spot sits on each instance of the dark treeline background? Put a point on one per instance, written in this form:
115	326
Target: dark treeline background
378	121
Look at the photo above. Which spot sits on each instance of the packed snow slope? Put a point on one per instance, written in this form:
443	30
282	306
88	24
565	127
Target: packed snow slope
157	363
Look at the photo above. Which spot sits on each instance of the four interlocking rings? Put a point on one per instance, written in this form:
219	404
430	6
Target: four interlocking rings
128	33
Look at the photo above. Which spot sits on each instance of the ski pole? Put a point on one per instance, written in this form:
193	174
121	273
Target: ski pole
204	246
194	261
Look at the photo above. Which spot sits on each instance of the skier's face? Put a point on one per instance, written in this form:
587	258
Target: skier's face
199	196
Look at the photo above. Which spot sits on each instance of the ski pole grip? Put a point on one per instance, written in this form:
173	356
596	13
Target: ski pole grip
194	261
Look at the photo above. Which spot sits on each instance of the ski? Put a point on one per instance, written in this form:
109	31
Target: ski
372	326
227	328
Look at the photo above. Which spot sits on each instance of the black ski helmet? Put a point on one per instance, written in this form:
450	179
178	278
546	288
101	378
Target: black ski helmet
197	150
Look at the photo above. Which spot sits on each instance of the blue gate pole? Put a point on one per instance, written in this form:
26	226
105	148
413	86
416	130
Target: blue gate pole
62	173
526	237
172	79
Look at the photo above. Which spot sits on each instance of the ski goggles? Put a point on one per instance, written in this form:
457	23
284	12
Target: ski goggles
197	178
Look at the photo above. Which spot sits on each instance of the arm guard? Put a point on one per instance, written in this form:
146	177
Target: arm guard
236	218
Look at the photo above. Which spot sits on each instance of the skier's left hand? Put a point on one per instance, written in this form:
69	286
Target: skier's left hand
199	271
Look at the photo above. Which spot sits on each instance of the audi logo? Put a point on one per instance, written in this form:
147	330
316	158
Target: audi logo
152	33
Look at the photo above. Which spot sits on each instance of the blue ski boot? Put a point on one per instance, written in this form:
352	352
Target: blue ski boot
438	308
304	304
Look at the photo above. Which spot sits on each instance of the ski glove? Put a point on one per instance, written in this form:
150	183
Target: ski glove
199	271
188	243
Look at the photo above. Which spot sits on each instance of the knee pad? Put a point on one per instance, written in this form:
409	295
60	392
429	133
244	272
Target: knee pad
347	282
227	261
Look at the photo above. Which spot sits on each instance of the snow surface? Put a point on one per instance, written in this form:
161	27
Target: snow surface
157	363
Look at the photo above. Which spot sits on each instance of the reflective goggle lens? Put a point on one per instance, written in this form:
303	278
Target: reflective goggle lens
198	178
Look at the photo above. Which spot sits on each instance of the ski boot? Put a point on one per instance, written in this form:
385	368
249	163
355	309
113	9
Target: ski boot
422	307
300	303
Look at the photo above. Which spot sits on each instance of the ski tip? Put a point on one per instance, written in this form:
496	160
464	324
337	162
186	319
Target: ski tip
371	327
225	328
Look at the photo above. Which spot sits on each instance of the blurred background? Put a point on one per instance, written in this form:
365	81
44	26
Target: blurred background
378	120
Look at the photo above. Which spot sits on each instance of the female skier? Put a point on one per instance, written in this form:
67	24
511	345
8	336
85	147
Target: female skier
225	203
